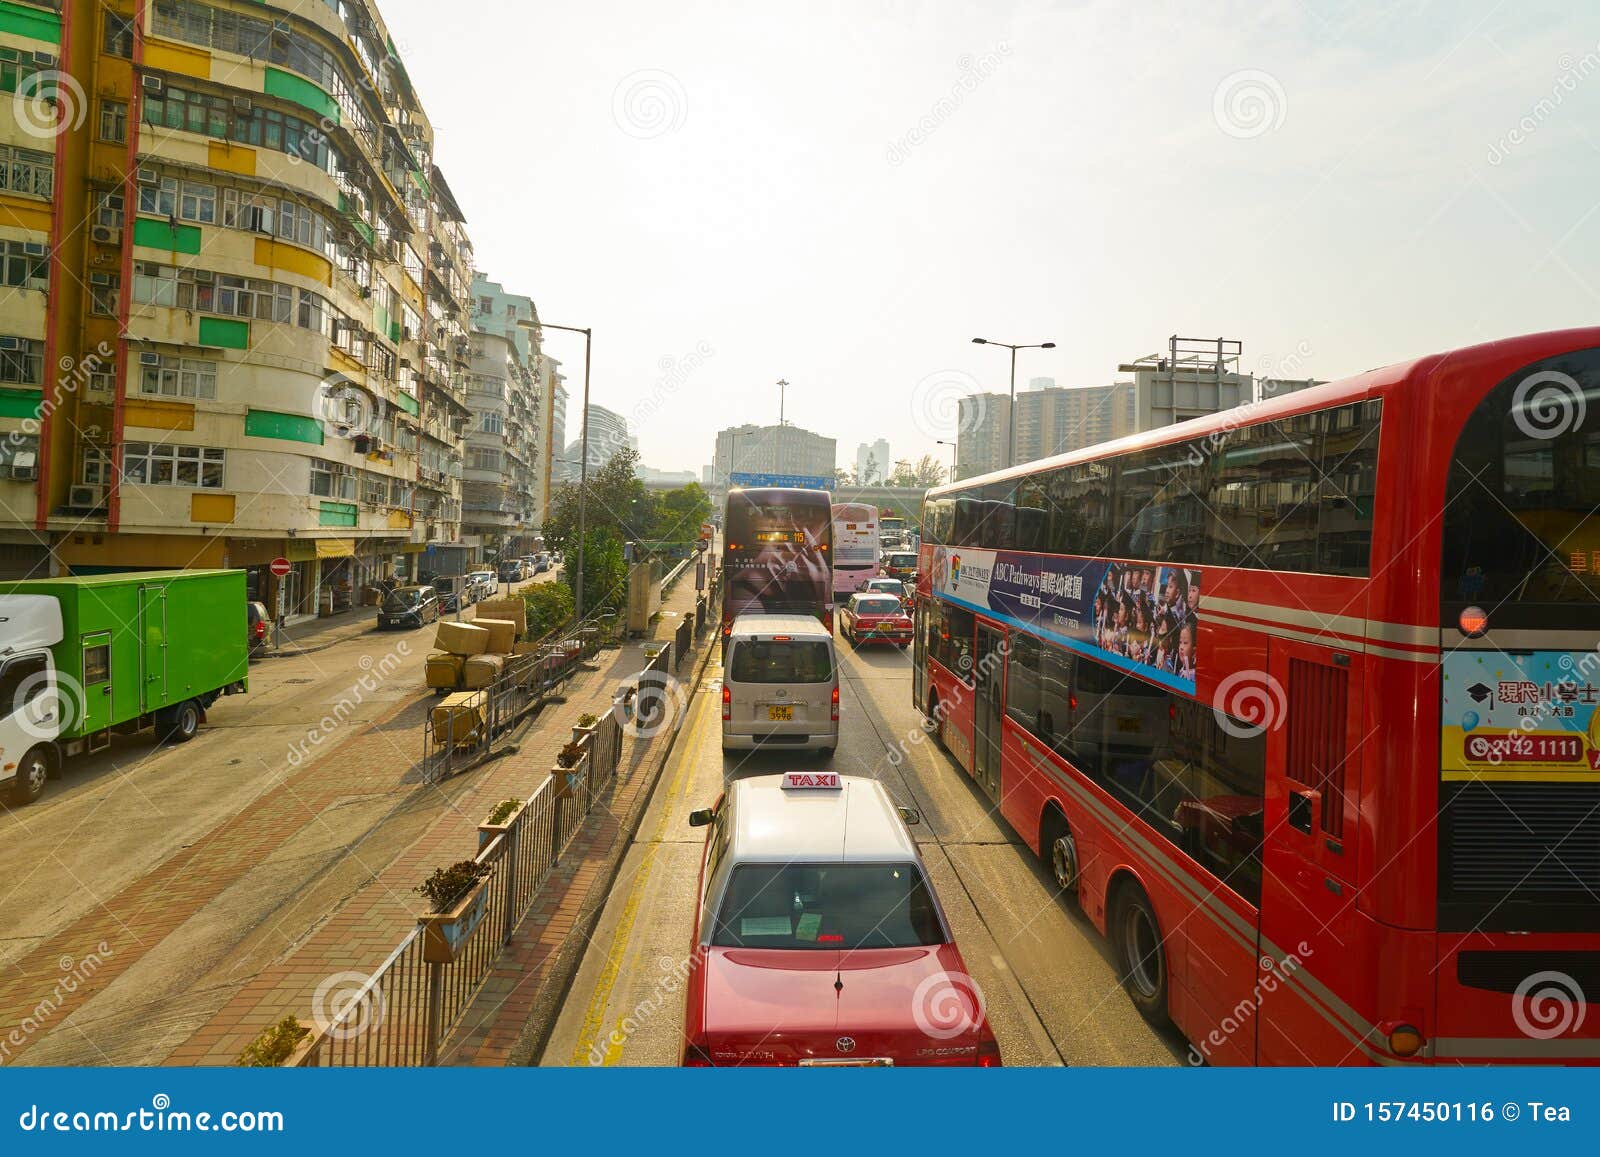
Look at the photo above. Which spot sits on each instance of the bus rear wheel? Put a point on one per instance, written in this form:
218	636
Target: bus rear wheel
1137	938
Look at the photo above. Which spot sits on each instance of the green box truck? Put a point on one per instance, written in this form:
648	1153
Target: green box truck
83	658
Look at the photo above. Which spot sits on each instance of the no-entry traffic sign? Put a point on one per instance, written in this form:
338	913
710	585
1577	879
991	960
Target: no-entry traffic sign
280	567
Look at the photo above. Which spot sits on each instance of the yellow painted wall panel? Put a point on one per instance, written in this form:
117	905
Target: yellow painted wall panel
399	520
159	415
233	158
293	259
211	509
177	58
160	551
25	213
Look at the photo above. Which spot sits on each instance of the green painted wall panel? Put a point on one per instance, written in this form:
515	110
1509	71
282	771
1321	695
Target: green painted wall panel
27	403
285	427
164	235
227	332
338	514
302	92
30	22
409	404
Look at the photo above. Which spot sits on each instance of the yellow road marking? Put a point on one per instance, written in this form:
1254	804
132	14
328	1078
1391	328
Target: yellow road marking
594	1015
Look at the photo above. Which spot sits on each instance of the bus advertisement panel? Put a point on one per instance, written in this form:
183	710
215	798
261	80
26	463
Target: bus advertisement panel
855	547
777	554
1142	618
1526	716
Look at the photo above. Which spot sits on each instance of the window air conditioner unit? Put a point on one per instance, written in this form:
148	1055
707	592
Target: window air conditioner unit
204	276
10	343
24	473
149	359
154	84
148	176
84	497
242	104
100	279
44	59
106	235
281	28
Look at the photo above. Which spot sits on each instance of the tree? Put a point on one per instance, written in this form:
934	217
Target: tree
605	573
677	514
843	478
927	472
615	498
870	469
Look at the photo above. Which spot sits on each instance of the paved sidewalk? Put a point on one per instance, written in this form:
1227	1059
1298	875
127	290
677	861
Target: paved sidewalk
360	933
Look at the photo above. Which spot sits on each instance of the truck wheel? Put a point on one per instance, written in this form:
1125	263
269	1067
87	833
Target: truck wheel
182	723
32	771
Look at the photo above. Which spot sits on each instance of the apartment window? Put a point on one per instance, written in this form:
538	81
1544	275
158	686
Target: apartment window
24	265
331	480
21	361
96	467
159	464
117	36
114	121
480	458
178	377
108	210
27	171
182	200
155	284
493	423
105	289
252	297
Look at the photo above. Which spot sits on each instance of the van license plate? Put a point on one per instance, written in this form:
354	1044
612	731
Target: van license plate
784	714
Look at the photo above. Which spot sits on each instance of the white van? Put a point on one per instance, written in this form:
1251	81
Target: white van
780	684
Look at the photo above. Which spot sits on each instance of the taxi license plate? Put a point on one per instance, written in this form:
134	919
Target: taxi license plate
783	714
852	1063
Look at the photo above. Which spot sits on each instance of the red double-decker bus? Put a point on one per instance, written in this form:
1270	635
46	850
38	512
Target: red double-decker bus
1298	702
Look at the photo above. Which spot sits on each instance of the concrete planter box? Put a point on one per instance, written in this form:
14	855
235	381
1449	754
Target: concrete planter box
444	933
487	831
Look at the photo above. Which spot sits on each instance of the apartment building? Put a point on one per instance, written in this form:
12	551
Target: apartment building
236	325
873	462
504	447
608	433
785	449
553	409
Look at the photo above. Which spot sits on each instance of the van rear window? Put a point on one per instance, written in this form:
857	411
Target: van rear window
790	662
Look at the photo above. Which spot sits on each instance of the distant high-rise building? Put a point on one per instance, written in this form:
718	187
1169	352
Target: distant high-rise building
785	449
873	462
1040	384
608	433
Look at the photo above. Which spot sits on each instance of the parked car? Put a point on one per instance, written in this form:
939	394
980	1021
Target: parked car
875	618
258	628
781	686
486	584
455	593
541	562
409	607
821	940
511	572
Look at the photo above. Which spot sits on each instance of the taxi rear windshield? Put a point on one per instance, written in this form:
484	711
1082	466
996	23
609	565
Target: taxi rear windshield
878	607
828	906
798	661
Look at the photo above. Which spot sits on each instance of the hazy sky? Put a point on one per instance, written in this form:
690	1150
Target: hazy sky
843	195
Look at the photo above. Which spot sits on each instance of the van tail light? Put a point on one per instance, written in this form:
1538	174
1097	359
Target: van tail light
835	707
827	619
261	629
695	1056
727	702
989	1054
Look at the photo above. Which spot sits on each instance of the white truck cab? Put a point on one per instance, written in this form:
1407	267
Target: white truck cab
30	708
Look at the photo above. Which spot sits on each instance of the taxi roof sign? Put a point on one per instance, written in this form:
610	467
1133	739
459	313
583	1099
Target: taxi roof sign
811	781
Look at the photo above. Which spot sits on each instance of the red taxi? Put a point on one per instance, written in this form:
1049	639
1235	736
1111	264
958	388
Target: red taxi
874	618
819	941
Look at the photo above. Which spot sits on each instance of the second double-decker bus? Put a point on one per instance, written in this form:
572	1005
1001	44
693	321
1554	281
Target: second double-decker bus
1299	703
777	553
855	547
892	532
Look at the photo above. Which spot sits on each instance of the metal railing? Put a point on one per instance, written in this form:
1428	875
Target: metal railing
409	1006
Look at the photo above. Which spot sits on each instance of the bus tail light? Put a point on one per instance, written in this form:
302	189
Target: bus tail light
835	709
727	702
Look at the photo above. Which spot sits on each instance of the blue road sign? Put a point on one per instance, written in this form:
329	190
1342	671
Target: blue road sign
794	481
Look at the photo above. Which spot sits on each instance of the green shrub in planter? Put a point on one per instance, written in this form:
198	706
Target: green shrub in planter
273	1046
447	885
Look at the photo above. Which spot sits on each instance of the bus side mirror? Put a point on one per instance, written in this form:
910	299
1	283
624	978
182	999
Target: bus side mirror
700	817
910	814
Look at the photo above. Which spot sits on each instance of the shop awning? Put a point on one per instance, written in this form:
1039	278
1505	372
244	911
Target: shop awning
335	548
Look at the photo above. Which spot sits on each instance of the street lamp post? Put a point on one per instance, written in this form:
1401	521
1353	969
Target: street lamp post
583	453
1011	416
953	452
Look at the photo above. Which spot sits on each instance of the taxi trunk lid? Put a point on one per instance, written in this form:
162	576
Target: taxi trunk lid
909	1006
